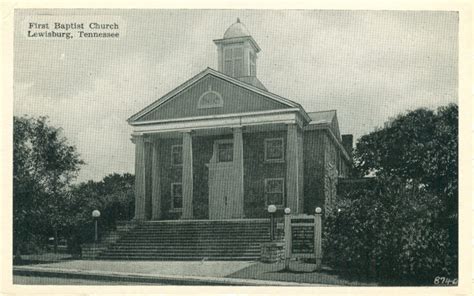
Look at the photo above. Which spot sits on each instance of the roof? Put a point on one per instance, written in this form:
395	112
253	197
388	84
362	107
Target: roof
209	71
328	118
322	117
237	29
236	33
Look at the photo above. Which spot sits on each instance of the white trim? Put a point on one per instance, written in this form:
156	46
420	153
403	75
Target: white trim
237	121
195	118
218	105
242	39
176	164
170	94
217	74
282	148
282	193
172	196
250	54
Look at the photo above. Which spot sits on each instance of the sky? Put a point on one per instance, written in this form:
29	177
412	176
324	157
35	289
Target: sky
367	65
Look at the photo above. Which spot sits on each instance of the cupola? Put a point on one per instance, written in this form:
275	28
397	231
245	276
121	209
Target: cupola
237	54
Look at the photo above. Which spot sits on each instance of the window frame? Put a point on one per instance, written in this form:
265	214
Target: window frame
233	60
173	208
219	104
282	159
172	154
216	149
266	180
252	63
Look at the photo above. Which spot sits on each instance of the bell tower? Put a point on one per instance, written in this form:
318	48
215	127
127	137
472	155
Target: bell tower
237	54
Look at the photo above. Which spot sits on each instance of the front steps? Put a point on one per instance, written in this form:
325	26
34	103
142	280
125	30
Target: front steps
192	240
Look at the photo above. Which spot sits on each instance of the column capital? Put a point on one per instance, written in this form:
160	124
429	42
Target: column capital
238	129
135	138
148	139
292	125
190	132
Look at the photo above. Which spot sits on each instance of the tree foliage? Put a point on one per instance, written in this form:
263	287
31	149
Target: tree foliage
421	145
406	223
44	164
393	229
45	202
113	196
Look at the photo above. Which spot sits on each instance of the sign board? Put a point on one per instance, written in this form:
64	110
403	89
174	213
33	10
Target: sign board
303	236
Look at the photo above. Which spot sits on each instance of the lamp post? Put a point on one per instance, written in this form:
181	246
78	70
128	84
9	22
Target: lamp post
95	216
317	236
287	238
272	209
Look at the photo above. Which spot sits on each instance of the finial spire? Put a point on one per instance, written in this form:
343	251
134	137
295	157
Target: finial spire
238	20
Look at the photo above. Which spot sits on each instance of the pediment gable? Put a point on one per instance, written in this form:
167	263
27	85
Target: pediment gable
327	118
211	93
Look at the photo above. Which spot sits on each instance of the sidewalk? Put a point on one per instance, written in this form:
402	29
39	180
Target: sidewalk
245	273
159	272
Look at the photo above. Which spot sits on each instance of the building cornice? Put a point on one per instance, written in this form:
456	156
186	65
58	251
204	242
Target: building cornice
238	39
219	116
285	116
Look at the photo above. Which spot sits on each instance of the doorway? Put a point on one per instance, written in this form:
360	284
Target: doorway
223	200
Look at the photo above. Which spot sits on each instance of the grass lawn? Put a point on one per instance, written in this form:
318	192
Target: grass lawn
302	273
43	258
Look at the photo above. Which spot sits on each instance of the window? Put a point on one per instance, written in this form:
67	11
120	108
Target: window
176	196
253	63
274	191
225	152
177	155
234	61
274	150
210	99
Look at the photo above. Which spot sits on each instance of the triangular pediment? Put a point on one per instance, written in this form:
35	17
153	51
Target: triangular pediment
211	93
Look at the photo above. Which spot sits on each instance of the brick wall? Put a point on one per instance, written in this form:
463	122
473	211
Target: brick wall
314	161
255	172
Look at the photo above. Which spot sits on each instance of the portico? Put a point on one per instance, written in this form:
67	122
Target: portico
225	166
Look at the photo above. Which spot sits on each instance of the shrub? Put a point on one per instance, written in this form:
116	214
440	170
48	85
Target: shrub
396	229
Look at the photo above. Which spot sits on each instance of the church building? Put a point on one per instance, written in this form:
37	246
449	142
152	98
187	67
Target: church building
222	146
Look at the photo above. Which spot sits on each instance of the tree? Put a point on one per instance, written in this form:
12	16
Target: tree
408	219
420	146
113	196
44	164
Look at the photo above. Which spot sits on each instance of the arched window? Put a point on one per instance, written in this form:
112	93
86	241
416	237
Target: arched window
210	99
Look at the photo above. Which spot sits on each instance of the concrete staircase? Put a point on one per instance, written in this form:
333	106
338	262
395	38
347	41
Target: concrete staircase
192	240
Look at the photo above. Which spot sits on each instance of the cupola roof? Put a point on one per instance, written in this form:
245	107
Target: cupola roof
236	30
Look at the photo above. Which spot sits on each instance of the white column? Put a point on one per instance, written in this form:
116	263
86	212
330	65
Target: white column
292	169
238	159
300	136
156	183
187	176
140	177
